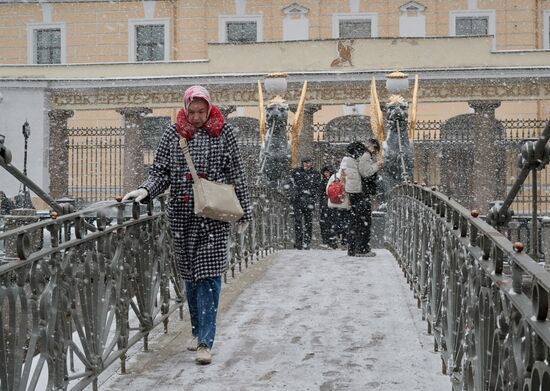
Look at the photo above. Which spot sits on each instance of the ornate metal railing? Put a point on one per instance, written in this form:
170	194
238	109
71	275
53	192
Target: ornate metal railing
66	304
95	163
485	301
101	280
517	133
96	155
270	230
514	129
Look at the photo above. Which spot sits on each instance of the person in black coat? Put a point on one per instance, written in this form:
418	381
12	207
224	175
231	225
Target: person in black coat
305	183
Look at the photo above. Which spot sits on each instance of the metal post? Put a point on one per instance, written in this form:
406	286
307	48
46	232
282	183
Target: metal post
26	134
534	225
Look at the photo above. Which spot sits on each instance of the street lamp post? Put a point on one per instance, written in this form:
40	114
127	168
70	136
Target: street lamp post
26	130
26	135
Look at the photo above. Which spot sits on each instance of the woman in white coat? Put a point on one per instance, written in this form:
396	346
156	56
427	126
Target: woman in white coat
361	165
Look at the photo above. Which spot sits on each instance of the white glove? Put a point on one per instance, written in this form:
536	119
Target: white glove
137	195
242	226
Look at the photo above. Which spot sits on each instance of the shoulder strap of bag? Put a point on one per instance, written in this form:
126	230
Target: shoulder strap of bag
185	147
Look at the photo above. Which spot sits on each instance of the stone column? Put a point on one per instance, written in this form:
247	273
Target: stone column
485	108
58	160
489	164
305	142
133	172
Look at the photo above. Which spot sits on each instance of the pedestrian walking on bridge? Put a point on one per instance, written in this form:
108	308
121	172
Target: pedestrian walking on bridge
200	243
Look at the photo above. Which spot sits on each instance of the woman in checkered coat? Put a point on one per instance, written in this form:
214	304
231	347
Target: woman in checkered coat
200	243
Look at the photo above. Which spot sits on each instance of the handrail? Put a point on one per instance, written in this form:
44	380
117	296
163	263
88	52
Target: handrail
79	301
5	162
534	156
485	301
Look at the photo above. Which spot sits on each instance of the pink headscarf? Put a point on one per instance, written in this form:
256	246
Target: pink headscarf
213	125
195	92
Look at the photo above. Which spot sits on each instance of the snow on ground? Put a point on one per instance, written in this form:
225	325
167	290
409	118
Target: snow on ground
309	320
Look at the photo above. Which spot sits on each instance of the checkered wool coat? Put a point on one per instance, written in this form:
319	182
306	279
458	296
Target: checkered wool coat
200	243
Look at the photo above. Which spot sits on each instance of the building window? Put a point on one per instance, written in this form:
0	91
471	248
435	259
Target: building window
348	26
241	31
150	43
149	40
358	28
46	43
48	46
238	29
472	22
474	25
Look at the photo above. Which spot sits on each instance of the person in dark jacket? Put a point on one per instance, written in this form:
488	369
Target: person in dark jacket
305	183
200	243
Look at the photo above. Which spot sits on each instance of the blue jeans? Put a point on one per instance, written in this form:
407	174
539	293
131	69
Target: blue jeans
203	297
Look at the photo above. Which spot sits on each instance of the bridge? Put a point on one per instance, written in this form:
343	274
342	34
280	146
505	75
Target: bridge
90	299
296	320
451	303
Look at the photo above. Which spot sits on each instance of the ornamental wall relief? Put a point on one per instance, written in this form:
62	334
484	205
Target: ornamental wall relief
345	49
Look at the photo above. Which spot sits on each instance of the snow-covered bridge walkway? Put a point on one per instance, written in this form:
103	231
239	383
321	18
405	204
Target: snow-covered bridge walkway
301	320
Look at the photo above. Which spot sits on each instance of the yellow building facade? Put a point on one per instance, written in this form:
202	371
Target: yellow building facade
100	31
92	32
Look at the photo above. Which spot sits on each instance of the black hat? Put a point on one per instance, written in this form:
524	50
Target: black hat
328	168
356	149
307	159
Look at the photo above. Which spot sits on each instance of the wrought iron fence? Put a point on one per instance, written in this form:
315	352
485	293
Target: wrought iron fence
99	282
515	129
428	157
95	163
484	300
96	158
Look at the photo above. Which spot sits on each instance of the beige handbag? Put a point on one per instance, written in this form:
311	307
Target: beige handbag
213	200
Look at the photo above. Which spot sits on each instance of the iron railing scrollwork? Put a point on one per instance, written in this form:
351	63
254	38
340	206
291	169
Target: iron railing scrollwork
67	306
269	231
485	301
102	280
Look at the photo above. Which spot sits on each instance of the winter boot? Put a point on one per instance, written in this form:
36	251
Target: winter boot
203	355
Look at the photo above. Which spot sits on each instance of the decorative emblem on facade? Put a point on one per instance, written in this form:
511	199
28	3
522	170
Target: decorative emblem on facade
344	53
412	6
295	9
